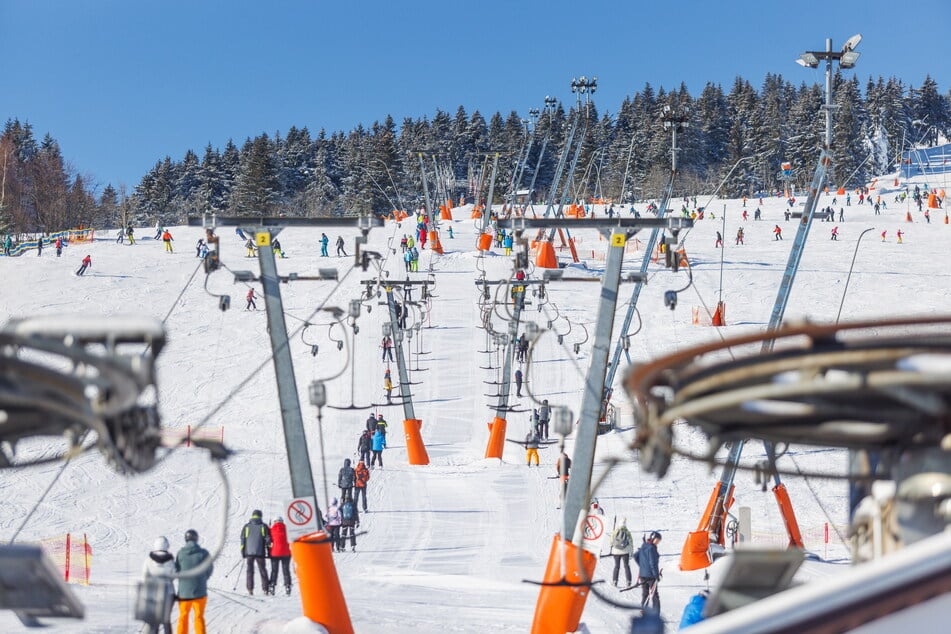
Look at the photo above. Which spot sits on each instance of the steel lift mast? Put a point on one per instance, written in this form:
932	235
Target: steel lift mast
712	526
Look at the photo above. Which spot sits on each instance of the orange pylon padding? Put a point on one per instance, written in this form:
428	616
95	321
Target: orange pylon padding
477	211
485	242
415	449
434	242
559	607
546	256
933	201
896	182
840	191
682	258
908	216
320	591
445	213
719	315
789	516
696	551
496	438
945	218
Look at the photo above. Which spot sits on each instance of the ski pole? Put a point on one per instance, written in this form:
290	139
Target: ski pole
238	578
233	567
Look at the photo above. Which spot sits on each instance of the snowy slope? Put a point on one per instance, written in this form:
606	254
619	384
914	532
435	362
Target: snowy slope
447	546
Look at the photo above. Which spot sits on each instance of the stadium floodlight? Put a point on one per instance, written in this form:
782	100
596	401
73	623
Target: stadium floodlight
848	59
808	60
851	43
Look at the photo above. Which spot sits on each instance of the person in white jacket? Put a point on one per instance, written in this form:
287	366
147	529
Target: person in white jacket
161	563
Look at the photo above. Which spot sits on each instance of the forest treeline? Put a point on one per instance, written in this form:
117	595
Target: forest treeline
377	168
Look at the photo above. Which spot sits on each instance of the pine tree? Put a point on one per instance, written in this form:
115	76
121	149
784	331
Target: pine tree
256	189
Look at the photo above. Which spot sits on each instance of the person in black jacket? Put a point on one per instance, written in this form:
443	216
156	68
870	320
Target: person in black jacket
345	480
255	542
363	445
648	561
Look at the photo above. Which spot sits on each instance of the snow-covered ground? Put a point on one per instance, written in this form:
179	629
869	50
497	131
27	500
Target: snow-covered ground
447	547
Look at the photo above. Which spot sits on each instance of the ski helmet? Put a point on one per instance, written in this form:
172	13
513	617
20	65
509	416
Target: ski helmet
191	535
655	535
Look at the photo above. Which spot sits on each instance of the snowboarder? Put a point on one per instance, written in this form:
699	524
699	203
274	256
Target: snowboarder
883	235
332	522
377	445
387	348
739	236
388	387
280	555
622	545
87	263
59	247
835	233
193	590
161	564
276	249
349	521
648	561
531	448
324	241
719	243
363	444
251	303
360	484
900	234
345	480
518	382
130	234
167	239
544	415
340	249
249	245
255	540
778	232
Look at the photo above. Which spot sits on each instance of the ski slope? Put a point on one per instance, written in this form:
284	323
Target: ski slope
446	547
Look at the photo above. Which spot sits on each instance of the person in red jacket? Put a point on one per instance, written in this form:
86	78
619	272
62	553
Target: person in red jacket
280	554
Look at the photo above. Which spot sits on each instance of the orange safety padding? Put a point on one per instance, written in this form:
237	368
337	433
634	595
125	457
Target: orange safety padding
559	607
682	258
449	204
485	242
896	182
445	213
932	201
908	217
941	194
476	212
574	252
719	316
320	590
496	438
696	551
945	218
415	449
841	191
789	515
546	256
434	244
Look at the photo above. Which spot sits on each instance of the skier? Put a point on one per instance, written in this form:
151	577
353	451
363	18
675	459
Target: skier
841	214
129	234
719	243
415	263
203	251
39	246
883	235
507	244
778	232
251	303
622	545
693	611
8	243
531	448
276	248
388	387
544	415
340	249
518	382
746	216
403	246
192	590
377	444
59	247
349	521
739	236
648	560
158	231
408	260
87	263
280	555
332	522
161	563
835	233
360	484
900	234
120	235
381	425
345	480
249	245
563	468
324	241
387	348
757	215
927	217
167	239
198	247
363	445
255	540
450	233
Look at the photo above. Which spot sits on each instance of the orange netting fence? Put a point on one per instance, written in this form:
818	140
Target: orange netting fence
72	556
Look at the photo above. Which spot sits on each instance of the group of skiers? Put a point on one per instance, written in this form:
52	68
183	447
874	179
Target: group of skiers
647	559
260	542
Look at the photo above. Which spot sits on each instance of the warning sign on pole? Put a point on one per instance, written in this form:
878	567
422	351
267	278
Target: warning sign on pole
301	516
592	532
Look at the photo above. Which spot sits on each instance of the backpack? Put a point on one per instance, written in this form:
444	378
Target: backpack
622	539
346	511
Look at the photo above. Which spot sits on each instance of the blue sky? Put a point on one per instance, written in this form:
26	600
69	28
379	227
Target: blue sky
122	83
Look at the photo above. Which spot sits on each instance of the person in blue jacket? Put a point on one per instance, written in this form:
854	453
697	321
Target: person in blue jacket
693	612
377	444
648	561
324	241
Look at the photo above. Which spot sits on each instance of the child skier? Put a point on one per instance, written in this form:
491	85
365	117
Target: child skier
251	303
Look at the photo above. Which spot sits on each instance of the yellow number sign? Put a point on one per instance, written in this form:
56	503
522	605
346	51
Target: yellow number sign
618	239
263	238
